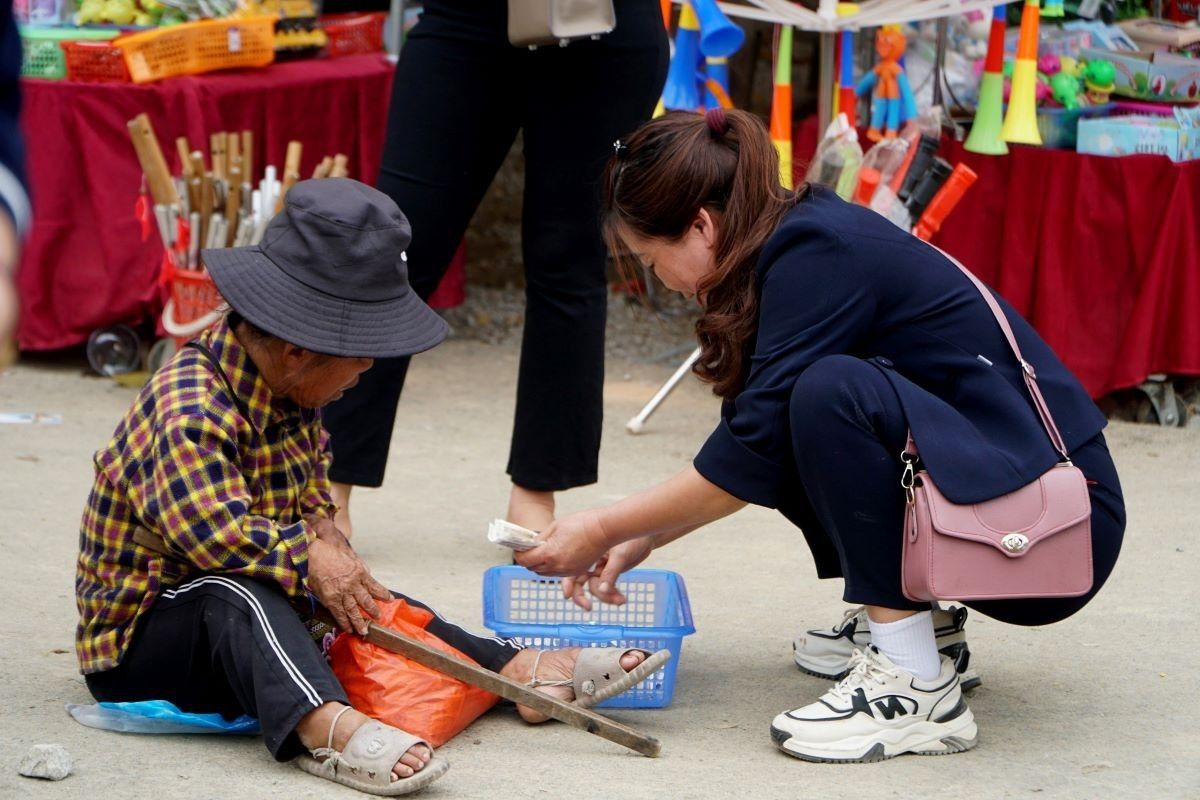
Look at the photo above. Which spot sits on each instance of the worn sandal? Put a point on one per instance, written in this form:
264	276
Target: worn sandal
598	674
366	763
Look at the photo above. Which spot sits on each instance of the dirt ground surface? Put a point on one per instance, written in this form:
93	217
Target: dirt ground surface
1103	705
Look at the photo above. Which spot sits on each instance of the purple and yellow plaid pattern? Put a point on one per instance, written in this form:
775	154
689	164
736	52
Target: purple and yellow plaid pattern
226	493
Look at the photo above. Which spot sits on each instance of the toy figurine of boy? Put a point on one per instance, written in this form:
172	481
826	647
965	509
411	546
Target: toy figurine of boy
893	102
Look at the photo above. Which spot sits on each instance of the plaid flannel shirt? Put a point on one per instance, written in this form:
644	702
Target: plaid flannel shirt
226	493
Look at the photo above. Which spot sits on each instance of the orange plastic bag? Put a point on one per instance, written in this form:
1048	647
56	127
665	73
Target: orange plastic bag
401	692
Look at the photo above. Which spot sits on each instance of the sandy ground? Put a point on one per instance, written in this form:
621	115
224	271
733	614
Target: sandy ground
1100	706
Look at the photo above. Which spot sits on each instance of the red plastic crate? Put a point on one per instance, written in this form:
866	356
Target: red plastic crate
95	61
351	34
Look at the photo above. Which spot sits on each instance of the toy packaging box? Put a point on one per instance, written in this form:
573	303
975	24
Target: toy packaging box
1152	76
1165	35
1176	137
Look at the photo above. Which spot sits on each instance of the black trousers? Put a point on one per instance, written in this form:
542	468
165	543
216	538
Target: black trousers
848	430
233	645
461	94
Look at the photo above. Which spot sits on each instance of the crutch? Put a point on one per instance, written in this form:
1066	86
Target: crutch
635	425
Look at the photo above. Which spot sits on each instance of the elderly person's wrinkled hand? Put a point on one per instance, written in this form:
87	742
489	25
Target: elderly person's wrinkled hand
341	582
324	528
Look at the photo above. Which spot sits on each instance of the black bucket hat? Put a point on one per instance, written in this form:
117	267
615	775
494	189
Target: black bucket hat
330	275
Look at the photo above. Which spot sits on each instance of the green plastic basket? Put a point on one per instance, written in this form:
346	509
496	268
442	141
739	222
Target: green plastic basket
41	55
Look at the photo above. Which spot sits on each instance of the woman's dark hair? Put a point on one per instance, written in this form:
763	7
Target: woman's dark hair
655	185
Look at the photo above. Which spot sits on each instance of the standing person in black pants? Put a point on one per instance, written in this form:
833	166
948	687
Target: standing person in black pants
461	94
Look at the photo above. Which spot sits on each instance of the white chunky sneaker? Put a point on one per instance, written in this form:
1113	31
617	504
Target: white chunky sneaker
825	652
879	711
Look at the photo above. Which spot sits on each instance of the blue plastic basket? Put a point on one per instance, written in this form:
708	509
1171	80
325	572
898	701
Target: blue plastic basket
1059	127
530	609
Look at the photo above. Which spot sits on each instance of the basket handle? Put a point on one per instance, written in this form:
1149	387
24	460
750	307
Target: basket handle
187	330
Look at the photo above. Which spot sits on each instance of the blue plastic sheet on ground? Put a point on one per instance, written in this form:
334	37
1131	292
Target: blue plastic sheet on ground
157	716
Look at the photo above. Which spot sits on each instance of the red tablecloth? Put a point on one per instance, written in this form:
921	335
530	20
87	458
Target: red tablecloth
85	264
1101	254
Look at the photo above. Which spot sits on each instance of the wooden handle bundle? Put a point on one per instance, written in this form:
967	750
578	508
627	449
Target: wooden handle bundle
222	205
154	166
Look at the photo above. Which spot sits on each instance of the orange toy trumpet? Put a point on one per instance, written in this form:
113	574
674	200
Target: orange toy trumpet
944	201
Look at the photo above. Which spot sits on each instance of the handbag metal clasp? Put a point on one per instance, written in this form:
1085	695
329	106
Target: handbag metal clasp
909	477
1014	542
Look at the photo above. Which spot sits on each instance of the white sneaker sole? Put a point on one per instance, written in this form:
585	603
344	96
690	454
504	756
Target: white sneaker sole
831	666
925	738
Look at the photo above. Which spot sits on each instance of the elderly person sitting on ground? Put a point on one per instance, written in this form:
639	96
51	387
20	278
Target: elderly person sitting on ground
223	458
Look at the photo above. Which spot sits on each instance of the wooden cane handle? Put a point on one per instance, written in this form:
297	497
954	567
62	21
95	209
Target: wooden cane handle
154	165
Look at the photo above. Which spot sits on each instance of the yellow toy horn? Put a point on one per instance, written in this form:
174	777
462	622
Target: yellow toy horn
1020	123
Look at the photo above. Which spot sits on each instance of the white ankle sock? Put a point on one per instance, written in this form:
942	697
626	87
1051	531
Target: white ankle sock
909	643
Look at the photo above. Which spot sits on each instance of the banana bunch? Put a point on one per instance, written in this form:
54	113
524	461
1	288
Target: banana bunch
143	13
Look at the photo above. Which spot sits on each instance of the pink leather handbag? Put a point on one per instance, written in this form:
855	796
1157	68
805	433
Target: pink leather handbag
1034	542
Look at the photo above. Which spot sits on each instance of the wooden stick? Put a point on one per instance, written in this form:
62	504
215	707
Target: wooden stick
154	165
196	182
233	199
291	161
198	168
583	718
207	196
233	151
291	172
339	166
395	642
217	147
248	157
184	150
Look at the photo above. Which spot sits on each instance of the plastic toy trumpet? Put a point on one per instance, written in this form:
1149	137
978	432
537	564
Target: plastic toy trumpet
704	32
1020	123
781	107
719	36
944	201
989	113
682	89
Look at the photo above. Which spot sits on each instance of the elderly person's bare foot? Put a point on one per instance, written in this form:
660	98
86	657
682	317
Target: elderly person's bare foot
553	671
332	725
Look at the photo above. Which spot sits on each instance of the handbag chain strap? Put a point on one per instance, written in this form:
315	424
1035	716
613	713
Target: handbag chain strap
1027	371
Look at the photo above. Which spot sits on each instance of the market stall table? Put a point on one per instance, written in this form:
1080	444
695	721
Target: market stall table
87	263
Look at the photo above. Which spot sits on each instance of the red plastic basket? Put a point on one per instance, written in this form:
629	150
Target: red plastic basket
101	61
351	34
193	301
95	61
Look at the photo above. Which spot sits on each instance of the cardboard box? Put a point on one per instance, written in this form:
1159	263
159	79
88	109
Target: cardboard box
1152	76
1164	35
1175	137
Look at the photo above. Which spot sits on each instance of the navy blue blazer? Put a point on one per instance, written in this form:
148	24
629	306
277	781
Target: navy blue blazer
839	279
